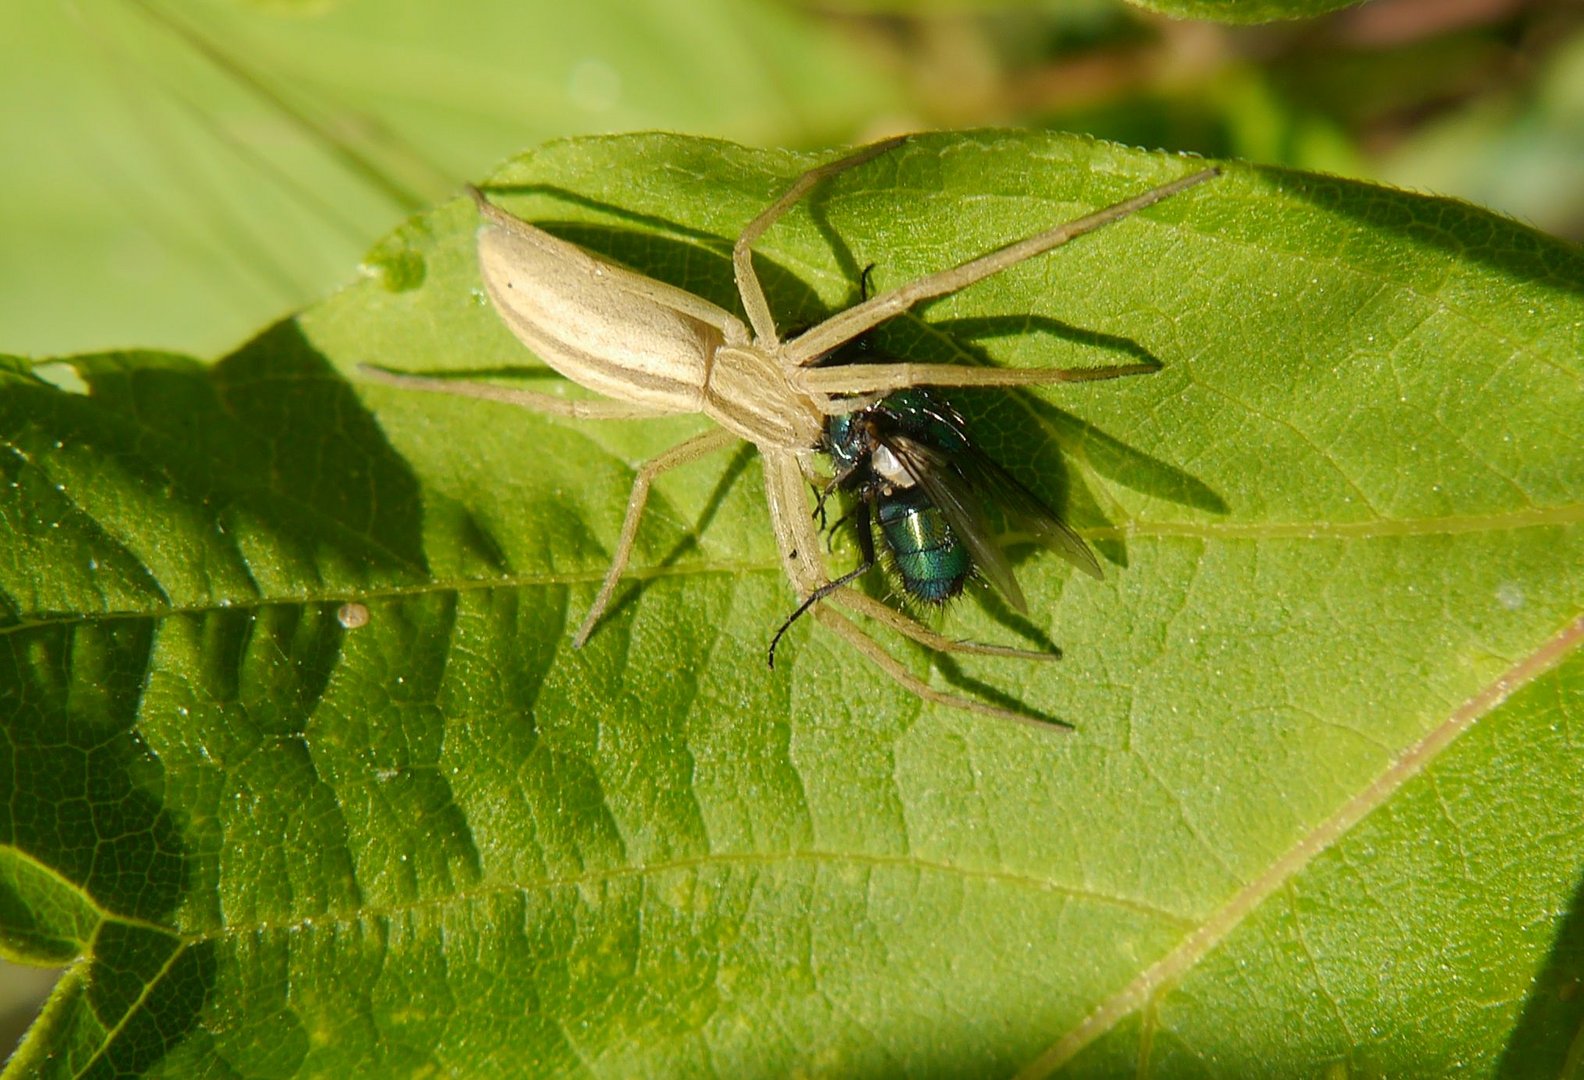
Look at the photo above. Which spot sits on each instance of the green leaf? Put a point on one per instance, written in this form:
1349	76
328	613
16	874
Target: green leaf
1320	811
1245	11
1224	11
186	170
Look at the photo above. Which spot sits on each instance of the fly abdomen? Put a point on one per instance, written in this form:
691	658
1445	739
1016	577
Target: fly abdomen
929	558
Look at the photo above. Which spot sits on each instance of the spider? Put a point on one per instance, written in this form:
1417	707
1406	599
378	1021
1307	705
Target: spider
653	349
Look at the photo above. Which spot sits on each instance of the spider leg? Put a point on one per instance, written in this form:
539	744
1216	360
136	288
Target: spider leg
870	379
748	287
887	663
866	315
901	621
684	452
910	627
594	409
799	545
815	597
866	550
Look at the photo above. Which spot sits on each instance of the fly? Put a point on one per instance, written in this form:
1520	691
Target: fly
910	465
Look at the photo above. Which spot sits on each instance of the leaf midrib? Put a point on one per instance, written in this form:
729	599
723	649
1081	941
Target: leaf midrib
1571	514
345	919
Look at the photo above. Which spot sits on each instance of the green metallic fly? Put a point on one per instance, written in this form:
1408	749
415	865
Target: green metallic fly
910	465
909	462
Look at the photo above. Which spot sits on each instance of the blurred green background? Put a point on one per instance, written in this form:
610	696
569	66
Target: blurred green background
178	176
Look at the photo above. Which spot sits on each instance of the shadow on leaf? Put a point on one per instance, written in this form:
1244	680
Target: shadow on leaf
1548	1026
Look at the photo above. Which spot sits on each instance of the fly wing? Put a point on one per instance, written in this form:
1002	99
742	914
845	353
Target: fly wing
962	483
950	491
1028	510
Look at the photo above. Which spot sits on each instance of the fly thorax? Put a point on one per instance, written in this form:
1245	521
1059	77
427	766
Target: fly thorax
748	393
886	465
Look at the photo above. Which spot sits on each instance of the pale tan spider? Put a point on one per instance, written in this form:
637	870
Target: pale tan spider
654	349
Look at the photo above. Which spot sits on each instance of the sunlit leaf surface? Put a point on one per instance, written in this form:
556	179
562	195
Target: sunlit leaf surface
1321	806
